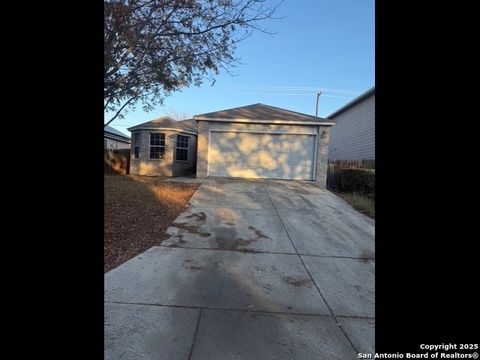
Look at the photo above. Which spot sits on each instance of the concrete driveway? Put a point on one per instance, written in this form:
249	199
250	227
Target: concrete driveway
252	270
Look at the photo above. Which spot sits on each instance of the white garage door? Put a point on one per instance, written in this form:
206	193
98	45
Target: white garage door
261	155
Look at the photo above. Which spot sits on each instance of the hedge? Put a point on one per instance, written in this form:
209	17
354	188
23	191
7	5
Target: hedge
357	180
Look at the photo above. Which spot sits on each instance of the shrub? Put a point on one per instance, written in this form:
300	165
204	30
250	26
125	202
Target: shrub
357	180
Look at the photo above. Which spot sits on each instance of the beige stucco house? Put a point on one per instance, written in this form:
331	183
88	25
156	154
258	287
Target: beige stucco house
262	141
164	147
254	141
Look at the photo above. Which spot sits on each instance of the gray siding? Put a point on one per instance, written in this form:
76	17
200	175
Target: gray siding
353	135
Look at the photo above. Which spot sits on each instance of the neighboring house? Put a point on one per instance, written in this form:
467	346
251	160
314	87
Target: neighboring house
255	141
164	147
262	141
353	135
114	139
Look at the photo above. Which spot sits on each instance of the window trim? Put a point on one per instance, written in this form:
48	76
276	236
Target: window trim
183	148
136	144
157	146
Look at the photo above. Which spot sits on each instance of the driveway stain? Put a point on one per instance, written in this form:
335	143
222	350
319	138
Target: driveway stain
226	239
297	281
190	264
259	234
194	267
200	216
366	255
191	229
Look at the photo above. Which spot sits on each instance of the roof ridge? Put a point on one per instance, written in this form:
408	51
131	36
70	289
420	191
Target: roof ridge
295	112
237	107
261	104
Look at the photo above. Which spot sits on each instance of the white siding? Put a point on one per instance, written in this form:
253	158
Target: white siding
353	135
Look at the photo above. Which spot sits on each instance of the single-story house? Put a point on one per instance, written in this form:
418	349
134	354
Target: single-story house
353	135
114	139
254	141
164	147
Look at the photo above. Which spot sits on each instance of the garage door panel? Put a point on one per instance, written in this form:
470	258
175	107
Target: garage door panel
260	155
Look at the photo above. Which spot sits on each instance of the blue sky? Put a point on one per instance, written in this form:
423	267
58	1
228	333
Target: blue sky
319	44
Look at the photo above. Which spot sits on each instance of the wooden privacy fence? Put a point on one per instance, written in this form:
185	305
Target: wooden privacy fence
117	161
334	167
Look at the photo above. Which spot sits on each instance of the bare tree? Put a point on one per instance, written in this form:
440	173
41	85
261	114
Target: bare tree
155	47
178	114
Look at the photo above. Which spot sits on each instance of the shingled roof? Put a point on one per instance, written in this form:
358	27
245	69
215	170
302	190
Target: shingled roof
111	130
259	112
358	99
166	122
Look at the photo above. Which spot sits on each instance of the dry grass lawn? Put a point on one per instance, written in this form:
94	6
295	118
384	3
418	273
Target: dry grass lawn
360	203
137	212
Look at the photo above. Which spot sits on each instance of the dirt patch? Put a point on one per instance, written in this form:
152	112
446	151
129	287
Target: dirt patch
297	281
230	223
137	212
201	216
192	229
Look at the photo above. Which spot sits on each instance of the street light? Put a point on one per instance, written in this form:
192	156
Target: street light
316	109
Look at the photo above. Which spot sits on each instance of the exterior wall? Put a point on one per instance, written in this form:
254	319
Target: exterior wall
114	144
353	136
202	149
322	155
322	150
166	167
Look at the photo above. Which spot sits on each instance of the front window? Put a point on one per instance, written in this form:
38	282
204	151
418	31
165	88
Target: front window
157	146
182	148
136	145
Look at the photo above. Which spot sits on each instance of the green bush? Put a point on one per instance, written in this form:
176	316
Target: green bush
357	180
